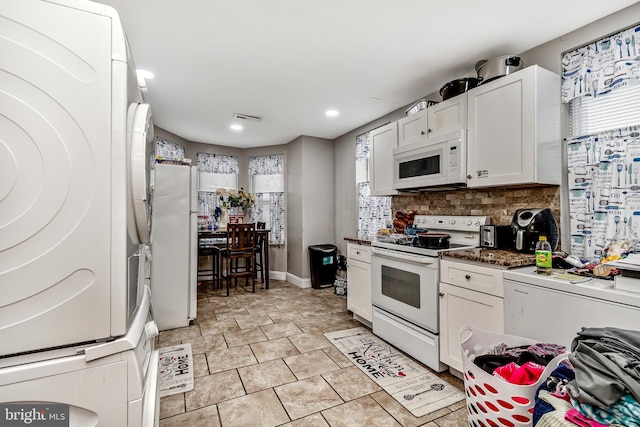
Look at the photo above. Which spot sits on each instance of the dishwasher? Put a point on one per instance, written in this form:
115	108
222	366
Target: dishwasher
553	310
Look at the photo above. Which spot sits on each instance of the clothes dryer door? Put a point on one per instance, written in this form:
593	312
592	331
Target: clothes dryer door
140	133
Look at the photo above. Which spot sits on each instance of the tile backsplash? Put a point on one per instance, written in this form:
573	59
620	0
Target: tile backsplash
498	203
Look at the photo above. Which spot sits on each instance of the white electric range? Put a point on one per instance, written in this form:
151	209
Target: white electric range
405	281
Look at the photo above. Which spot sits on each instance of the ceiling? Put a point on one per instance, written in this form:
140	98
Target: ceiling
288	61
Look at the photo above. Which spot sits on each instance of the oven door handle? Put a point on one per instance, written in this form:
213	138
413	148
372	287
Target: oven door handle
403	256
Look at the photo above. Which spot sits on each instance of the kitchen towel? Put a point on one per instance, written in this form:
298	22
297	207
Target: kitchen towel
176	370
413	386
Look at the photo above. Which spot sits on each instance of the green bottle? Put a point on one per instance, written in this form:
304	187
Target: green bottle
543	256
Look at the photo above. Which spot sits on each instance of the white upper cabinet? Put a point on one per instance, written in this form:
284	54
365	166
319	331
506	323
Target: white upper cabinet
444	117
383	140
514	130
413	128
447	116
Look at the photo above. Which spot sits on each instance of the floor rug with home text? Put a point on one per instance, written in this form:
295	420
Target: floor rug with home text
175	370
417	389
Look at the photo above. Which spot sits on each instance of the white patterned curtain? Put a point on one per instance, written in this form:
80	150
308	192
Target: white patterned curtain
602	66
604	190
216	163
168	150
603	153
267	186
373	212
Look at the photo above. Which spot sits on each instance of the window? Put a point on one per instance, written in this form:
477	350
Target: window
267	186
374	213
600	84
214	171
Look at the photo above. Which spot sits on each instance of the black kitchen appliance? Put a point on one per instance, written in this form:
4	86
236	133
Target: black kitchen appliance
529	224
497	237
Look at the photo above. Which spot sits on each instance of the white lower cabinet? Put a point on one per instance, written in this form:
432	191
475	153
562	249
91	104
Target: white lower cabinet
359	281
470	294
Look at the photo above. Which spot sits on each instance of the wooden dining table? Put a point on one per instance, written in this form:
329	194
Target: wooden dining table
222	235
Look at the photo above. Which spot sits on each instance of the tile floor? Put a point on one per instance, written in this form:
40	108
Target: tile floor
262	360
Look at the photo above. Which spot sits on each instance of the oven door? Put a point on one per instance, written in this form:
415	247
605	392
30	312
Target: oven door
440	162
406	285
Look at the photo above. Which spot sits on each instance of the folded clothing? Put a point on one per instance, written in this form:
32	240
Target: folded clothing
625	411
581	420
513	373
607	365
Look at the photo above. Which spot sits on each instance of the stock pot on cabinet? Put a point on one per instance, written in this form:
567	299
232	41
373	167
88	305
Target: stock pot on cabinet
497	67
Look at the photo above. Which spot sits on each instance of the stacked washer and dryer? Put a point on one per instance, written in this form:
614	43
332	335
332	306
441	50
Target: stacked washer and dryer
76	330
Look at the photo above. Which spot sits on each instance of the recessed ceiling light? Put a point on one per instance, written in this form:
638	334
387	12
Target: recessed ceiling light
332	113
236	127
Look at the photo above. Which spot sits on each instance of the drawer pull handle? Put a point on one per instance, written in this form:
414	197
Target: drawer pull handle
467	276
441	294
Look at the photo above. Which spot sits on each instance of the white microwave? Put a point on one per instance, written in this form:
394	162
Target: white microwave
438	162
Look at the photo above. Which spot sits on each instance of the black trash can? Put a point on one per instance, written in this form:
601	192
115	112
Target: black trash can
323	264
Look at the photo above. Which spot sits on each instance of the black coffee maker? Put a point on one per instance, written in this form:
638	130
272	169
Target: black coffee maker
529	224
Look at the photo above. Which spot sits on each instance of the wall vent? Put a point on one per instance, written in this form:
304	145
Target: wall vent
247	117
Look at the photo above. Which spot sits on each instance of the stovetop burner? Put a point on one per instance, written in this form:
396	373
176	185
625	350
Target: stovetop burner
464	232
421	250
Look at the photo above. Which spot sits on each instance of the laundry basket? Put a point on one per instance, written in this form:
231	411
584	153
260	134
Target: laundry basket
492	402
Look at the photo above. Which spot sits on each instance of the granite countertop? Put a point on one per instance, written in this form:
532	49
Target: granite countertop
491	256
360	240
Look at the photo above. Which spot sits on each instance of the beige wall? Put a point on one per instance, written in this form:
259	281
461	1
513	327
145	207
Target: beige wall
294	208
310	200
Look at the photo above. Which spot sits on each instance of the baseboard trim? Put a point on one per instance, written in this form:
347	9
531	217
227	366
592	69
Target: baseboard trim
277	275
298	281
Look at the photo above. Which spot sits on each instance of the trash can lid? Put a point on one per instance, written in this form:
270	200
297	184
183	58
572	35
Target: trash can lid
323	248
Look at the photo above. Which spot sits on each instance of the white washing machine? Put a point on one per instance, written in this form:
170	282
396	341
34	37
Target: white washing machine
74	143
110	384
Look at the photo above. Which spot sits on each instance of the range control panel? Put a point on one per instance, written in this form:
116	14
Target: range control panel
454	223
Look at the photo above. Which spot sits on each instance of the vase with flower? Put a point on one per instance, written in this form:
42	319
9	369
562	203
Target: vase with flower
236	203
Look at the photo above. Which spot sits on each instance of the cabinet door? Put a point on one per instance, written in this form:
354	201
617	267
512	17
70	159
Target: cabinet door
413	128
359	288
447	116
502	131
383	141
460	307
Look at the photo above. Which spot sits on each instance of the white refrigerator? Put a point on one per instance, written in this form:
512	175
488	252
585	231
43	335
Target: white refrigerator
174	245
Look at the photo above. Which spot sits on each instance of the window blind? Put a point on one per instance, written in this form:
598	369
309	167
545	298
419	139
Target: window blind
589	115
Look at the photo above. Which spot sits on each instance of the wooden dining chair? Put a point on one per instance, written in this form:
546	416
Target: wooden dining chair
260	242
240	246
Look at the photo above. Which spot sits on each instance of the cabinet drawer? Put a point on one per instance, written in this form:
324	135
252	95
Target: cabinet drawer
359	252
472	276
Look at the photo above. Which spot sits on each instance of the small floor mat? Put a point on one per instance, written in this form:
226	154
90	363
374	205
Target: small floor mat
176	369
417	389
